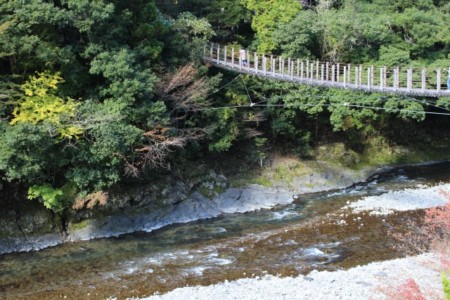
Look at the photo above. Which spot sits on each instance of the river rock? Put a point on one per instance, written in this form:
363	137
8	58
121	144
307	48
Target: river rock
35	222
251	198
29	230
23	244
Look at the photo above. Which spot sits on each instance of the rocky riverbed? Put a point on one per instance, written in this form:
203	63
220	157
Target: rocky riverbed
378	280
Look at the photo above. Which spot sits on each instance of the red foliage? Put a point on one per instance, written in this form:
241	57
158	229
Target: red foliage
438	218
437	222
410	290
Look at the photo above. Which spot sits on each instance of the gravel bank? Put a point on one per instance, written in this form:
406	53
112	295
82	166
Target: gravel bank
407	199
363	282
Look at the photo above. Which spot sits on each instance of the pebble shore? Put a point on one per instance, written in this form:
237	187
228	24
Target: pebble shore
372	281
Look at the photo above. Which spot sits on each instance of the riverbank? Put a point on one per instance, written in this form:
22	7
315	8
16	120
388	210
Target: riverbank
379	280
152	206
202	191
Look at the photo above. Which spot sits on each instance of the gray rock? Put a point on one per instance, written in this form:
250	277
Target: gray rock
9	245
36	221
251	198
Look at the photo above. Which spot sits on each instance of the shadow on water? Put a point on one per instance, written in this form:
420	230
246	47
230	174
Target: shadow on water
294	239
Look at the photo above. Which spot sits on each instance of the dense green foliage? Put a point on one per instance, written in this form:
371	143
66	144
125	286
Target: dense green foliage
446	285
268	15
93	91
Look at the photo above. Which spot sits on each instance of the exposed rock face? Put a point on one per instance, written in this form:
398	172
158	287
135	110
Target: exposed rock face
141	208
251	198
195	207
30	229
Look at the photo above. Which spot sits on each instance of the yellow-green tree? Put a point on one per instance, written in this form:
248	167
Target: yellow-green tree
268	15
42	104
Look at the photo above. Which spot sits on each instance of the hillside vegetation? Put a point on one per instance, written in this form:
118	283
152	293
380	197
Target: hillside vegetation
99	93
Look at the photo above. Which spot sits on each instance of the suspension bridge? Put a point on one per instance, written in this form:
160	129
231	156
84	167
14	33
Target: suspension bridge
408	81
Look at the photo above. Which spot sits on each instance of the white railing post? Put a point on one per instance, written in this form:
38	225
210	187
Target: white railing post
211	51
327	70
307	69
280	66
301	70
218	54
317	70
225	55
438	79
424	79
256	62
345	76
333	73
409	79
248	60
338	71
356	75
232	57
298	67
270	63
292	70
322	75
240	61
349	71
381	79
372	76
289	66
273	65
368	78
360	74
312	72
264	65
396	78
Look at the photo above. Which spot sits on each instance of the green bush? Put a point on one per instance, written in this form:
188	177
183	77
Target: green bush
446	284
51	198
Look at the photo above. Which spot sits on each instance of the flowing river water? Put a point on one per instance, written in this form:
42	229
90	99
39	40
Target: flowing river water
288	240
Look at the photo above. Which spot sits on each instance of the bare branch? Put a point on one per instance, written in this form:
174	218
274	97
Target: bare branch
158	145
184	90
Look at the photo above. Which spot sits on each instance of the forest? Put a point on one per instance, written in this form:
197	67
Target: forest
97	93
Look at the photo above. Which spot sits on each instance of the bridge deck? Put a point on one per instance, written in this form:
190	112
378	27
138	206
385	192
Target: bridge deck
395	80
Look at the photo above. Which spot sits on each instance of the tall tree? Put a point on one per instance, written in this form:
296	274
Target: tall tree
268	14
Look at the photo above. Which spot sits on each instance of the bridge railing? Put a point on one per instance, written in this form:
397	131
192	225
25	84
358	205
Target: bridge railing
402	80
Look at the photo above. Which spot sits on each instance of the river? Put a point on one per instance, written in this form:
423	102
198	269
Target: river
288	240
